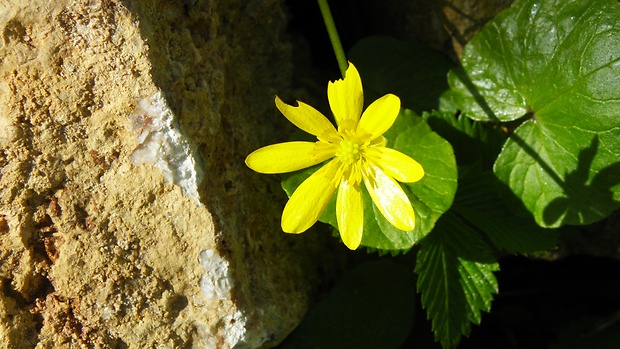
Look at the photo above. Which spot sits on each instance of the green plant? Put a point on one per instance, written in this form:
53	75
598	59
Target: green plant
523	140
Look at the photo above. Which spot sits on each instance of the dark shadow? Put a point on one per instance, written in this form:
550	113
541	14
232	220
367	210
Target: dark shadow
414	72
469	23
199	70
539	301
482	149
581	199
576	187
505	227
471	88
452	29
534	155
219	66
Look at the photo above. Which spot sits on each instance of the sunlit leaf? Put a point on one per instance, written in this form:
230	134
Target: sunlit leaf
556	64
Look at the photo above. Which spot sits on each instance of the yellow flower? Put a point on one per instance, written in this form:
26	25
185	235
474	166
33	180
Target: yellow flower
358	154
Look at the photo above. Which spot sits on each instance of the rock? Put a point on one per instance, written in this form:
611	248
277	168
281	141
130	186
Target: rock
127	216
465	18
444	25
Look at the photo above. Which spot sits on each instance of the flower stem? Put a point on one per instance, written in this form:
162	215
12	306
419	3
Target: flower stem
333	36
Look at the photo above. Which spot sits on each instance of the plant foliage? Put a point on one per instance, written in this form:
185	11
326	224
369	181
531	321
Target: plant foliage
554	65
529	129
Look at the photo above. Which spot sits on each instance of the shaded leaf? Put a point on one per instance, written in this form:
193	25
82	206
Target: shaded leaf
371	307
414	72
478	202
473	142
455	268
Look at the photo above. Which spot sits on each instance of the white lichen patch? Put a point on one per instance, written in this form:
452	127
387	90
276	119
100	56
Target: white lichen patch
162	144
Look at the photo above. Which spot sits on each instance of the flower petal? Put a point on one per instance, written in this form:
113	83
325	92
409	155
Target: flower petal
396	164
308	119
284	157
389	198
310	199
379	116
350	214
346	98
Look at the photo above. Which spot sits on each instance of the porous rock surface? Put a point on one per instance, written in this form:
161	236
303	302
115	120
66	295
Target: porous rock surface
102	246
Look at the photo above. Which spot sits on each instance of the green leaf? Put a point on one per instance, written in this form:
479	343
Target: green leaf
433	195
477	202
371	307
414	72
430	197
587	189
556	63
455	278
473	142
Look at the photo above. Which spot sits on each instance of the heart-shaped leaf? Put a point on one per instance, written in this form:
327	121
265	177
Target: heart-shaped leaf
555	63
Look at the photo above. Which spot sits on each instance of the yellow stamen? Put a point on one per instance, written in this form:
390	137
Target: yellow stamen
348	152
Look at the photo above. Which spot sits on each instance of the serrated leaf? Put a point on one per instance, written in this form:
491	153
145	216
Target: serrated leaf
478	202
455	278
414	72
371	307
430	197
557	63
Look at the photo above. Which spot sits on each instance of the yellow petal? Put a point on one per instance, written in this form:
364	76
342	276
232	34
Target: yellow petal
389	198
346	98
379	116
308	119
396	164
285	157
350	214
310	199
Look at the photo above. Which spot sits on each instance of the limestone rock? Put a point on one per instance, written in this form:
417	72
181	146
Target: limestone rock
127	216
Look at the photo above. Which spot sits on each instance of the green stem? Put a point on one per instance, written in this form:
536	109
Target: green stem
333	36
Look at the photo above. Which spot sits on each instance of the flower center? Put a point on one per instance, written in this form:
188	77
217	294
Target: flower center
348	152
